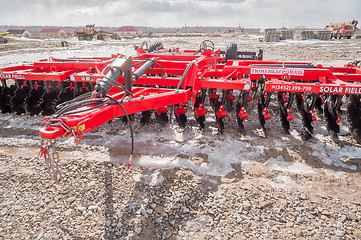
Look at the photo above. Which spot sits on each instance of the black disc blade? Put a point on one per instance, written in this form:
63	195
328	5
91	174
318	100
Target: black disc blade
284	122
181	120
32	102
229	106
262	120
5	96
81	91
306	135
162	118
48	103
239	120
146	117
212	102
299	101
318	105
18	100
330	116
283	113
307	123
220	123
200	120
354	117
65	96
125	119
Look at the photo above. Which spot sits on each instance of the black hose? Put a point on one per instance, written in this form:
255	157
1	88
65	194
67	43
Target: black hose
80	97
81	101
129	122
69	112
69	107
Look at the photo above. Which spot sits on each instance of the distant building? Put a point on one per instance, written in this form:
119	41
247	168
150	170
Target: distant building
19	33
53	33
128	31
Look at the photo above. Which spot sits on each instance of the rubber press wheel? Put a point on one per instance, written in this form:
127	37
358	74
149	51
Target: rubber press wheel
155	46
231	51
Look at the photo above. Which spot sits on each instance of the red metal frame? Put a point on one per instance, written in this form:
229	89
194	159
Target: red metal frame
143	99
197	71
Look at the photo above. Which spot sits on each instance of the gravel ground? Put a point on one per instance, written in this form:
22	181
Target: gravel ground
277	187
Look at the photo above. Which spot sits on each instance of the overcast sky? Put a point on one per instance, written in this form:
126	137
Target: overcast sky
177	13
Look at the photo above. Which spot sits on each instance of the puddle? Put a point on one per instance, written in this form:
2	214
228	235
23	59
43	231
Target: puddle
33	152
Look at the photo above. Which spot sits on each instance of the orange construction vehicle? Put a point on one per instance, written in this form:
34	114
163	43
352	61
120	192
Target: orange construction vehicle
343	29
89	32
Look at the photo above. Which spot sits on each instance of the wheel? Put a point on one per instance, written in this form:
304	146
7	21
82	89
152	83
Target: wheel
145	45
5	41
155	46
206	44
231	51
81	37
88	38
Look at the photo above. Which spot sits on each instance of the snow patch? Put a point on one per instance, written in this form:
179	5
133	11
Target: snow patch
332	155
284	182
280	164
153	179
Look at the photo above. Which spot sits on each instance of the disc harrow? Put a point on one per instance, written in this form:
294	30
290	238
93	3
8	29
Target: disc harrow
80	94
37	88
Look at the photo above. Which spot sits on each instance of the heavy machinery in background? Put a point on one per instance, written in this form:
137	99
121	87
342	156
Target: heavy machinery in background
3	40
90	32
80	94
342	29
5	34
331	31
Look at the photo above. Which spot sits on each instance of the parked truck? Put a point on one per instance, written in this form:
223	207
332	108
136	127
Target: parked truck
343	29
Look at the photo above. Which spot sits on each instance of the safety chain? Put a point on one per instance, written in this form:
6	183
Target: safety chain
57	122
51	157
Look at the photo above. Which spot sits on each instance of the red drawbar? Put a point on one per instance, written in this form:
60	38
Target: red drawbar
49	132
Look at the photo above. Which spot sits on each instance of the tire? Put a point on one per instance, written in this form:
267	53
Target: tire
231	51
81	37
88	38
5	41
155	46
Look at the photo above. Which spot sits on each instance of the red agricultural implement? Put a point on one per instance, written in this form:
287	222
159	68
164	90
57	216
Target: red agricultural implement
91	92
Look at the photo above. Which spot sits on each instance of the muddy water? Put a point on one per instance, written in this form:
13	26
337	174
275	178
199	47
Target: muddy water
31	152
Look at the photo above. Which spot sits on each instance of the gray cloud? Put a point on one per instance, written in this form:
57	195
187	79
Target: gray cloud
173	13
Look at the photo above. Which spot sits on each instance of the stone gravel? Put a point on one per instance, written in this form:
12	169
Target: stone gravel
98	200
